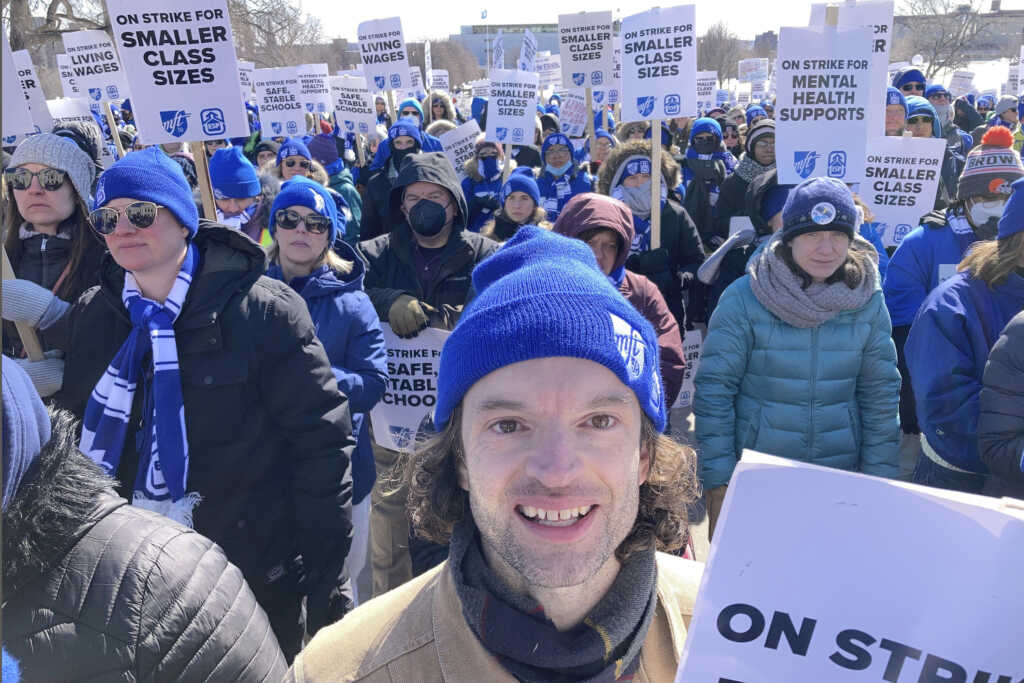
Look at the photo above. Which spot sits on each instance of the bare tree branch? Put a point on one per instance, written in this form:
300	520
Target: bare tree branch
942	32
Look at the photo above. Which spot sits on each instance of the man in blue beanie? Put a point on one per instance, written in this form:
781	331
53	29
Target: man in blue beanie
404	139
236	187
910	81
203	389
546	479
895	112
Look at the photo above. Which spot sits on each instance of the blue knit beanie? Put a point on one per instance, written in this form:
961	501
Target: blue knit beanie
293	147
411	102
774	200
150	175
577	313
520	180
936	89
301	191
756	110
1012	220
232	175
705	125
26	427
894	96
552	140
406	126
905	76
819	204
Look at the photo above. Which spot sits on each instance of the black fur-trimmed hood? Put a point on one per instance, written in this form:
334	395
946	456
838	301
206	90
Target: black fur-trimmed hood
61	497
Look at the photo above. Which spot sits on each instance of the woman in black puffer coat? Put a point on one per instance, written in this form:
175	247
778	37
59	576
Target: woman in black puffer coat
101	590
1001	425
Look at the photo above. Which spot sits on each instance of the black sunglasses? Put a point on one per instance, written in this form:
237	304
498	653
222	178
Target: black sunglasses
139	214
919	119
907	87
301	164
286	219
50	179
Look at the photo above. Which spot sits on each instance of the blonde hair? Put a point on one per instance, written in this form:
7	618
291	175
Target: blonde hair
993	261
329	258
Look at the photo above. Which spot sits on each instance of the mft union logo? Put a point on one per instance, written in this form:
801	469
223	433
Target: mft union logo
350	125
672	105
630	344
276	127
803	163
212	121
599	96
837	164
96	93
174	121
379	82
310	106
501	132
577	79
645	105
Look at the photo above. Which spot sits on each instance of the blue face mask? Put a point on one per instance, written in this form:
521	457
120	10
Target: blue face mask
488	167
559	170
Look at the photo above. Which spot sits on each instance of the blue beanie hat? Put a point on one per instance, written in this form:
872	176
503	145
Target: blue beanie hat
774	200
904	76
1012	220
935	89
578	313
756	110
520	180
406	126
301	191
706	125
819	204
555	139
232	175
26	426
894	96
150	175
666	134
411	102
919	106
293	147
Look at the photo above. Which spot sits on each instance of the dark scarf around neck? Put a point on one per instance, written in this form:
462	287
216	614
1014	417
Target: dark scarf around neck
604	646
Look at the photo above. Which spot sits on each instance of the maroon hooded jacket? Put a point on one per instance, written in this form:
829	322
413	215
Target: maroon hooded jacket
590	211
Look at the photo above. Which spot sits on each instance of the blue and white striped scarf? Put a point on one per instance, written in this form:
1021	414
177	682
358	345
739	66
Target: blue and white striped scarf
163	452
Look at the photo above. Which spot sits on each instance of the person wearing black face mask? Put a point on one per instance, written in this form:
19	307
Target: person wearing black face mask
404	140
418	275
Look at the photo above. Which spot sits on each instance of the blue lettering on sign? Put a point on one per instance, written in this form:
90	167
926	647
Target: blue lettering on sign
379	82
501	132
673	104
645	105
837	164
596	77
212	121
174	121
803	163
96	93
577	79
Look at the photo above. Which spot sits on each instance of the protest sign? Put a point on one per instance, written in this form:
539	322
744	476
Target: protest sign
659	64
458	145
1013	77
961	83
279	98
528	51
480	88
755	69
67	77
757	91
693	343
722	97
877	16
428	62
94	63
245	70
385	59
498	51
67	109
573	118
353	104
182	69
17	119
439	80
585	39
416	88
1020	81
407	407
707	84
821	111
743	96
549	70
511	107
901	177
314	88
33	90
844	594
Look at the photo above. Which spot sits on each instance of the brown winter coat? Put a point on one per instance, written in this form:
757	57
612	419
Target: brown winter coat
417	632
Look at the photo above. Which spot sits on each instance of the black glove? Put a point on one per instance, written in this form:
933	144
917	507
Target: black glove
651	264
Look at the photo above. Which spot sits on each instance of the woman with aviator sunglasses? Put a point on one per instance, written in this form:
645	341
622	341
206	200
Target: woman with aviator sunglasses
48	238
304	224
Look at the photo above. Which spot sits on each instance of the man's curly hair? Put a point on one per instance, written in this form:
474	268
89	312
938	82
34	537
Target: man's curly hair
437	502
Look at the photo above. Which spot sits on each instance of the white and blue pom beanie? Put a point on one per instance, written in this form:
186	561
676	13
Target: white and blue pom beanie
542	295
150	175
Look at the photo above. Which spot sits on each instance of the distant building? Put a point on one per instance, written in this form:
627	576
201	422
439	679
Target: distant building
1001	38
478	39
766	44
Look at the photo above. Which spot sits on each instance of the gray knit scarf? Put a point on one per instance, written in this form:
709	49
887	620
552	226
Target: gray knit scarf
748	168
779	289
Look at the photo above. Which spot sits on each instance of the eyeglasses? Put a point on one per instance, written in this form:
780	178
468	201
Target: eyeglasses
139	214
704	138
50	179
730	136
301	164
286	219
919	119
765	143
411	112
939	97
912	87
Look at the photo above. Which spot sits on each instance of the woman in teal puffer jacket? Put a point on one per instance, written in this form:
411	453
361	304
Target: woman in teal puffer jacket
799	361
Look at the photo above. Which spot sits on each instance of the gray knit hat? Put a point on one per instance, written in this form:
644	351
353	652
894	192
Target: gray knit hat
60	153
26	426
1005	103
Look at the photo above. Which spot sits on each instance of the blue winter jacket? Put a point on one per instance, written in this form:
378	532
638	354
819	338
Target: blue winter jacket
555	193
348	327
946	352
471	188
826	395
926	257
